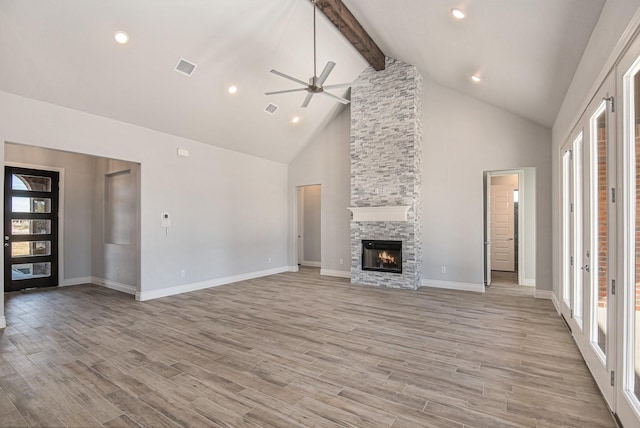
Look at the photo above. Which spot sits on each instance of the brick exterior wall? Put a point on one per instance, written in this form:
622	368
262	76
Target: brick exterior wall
603	259
386	158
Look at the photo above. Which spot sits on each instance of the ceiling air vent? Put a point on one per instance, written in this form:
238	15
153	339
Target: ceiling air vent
271	108
185	67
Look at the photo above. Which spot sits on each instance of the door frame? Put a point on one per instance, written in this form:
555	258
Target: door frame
298	220
60	248
487	220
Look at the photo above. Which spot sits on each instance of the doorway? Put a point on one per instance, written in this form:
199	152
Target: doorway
309	226
509	222
31	201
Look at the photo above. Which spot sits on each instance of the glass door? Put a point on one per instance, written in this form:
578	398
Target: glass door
572	291
628	379
598	268
30	228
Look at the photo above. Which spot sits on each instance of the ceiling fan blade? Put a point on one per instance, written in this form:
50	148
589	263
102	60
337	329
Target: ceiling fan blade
325	73
337	98
285	91
286	76
344	85
307	99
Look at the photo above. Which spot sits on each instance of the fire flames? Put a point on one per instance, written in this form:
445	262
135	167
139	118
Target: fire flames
386	258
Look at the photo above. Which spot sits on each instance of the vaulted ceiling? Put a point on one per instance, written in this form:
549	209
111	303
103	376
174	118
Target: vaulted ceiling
63	52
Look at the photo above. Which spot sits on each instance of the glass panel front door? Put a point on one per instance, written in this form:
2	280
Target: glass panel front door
31	228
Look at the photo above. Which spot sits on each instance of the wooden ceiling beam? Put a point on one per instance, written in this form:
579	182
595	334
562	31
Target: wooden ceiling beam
349	26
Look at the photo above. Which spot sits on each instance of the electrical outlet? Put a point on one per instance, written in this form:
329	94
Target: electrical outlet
341	261
183	273
269	259
444	269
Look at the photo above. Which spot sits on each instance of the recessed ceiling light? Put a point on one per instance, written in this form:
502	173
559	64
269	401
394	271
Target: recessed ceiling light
295	119
232	89
475	78
458	14
121	37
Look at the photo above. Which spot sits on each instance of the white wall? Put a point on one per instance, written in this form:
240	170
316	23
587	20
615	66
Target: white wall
326	161
229	210
117	262
462	137
612	24
79	173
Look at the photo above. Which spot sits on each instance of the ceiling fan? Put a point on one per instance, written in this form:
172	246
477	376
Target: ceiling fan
315	85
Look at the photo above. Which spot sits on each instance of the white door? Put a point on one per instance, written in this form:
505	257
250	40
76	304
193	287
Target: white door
502	228
627	298
571	232
598	263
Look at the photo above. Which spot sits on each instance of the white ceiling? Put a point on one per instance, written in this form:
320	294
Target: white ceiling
63	52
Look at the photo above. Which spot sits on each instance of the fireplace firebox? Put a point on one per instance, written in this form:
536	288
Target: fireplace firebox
382	256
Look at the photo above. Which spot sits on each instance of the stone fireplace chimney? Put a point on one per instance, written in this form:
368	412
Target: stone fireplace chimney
386	155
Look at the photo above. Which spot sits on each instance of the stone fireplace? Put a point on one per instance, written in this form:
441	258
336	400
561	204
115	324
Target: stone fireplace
386	171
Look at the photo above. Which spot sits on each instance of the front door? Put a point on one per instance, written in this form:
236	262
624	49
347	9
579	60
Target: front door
30	228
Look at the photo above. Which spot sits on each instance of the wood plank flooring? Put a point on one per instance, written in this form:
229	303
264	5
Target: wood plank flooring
507	283
291	350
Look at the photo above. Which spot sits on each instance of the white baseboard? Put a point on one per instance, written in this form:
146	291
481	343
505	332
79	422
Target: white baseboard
3	322
76	281
124	288
310	264
462	286
529	282
543	294
556	303
339	273
194	286
295	268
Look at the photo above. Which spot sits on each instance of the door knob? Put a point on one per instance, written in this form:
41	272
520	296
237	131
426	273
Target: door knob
585	268
509	239
6	244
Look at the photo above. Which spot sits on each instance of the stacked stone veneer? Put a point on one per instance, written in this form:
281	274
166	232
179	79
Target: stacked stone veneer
386	155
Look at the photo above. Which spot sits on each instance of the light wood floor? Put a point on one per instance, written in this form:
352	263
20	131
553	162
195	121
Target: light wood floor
293	349
507	283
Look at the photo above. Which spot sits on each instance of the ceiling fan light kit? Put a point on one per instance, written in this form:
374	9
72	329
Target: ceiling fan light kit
315	85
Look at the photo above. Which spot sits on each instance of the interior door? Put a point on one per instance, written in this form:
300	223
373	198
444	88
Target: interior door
30	228
502	228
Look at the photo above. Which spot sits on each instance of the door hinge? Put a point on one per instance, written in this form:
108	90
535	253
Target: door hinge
613	286
613	378
571	261
613	195
611	101
571	313
571	206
